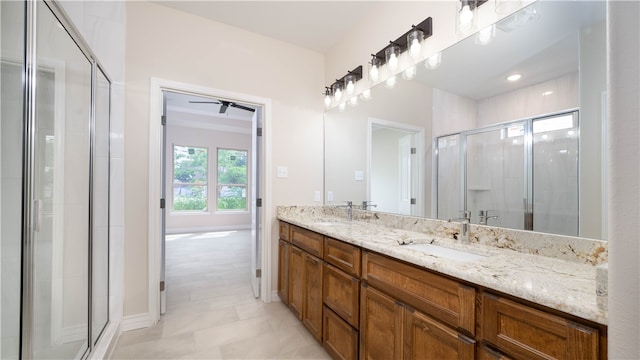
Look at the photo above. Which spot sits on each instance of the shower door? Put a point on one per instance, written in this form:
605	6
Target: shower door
59	277
496	175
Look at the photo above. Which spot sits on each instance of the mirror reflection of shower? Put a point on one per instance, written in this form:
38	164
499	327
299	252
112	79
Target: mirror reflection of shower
519	175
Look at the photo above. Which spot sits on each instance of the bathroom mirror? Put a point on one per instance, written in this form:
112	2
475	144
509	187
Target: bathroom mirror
385	149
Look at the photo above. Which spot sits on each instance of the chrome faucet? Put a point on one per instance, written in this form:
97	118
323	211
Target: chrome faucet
464	223
349	207
484	217
366	204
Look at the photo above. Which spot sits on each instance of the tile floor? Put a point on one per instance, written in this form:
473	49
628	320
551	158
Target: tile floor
211	310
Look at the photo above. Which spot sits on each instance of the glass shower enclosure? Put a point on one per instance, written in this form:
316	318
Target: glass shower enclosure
55	105
519	175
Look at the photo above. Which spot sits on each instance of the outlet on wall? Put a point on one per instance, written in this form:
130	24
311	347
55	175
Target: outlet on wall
316	196
329	196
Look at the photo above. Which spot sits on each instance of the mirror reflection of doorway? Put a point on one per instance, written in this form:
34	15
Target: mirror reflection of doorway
395	146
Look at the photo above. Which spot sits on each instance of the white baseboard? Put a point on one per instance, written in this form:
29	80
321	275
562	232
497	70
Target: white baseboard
107	343
138	321
274	296
74	333
206	229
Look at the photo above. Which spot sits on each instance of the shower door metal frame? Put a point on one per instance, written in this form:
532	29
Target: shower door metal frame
30	211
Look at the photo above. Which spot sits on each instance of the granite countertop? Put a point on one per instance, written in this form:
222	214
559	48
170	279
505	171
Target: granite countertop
560	284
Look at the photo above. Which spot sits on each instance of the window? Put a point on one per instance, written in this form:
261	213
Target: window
190	178
232	179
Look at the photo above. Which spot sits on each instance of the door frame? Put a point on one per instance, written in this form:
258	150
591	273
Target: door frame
155	162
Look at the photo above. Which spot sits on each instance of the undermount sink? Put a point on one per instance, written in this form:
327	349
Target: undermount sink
444	252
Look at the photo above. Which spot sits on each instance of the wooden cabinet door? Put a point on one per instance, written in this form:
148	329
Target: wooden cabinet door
283	271
342	294
339	339
312	305
296	281
380	325
426	338
527	333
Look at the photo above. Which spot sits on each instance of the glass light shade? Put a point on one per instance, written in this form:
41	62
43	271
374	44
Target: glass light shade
486	35
366	95
327	100
467	17
414	42
391	54
433	61
409	73
391	82
350	84
337	92
353	101
374	70
342	106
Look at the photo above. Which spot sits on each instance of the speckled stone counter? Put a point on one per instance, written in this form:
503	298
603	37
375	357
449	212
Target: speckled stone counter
551	270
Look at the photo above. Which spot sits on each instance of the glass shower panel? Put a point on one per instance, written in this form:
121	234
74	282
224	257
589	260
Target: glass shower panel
100	239
555	174
495	179
449	200
12	29
60	312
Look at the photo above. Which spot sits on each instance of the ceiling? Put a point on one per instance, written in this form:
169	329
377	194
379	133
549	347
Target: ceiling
315	25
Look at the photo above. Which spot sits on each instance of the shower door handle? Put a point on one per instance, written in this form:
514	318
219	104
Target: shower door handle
37	215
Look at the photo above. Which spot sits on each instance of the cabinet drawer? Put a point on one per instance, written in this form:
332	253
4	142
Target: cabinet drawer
528	333
339	339
444	299
342	294
487	353
284	230
308	241
425	337
345	257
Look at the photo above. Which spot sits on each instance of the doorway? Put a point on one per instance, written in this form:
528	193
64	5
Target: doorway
239	113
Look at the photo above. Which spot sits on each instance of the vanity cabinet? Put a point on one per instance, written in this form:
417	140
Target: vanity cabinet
527	333
364	305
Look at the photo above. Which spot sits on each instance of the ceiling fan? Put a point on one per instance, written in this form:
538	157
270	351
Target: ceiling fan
224	105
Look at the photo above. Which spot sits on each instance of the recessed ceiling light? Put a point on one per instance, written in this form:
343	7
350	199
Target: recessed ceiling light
547	93
514	77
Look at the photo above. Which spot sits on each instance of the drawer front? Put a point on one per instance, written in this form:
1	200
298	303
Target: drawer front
487	353
524	332
284	231
342	294
444	299
345	257
423	335
309	241
338	338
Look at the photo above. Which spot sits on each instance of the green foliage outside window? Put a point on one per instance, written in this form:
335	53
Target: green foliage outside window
232	179
190	172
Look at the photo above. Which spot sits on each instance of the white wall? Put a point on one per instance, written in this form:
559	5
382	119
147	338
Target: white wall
623	35
210	220
171	45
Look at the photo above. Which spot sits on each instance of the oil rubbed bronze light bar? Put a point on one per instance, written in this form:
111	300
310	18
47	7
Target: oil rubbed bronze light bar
344	85
401	44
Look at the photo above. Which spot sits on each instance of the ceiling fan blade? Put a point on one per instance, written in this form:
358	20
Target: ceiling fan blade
242	107
204	102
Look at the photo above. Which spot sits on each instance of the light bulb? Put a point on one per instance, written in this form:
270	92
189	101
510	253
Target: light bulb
409	73
433	61
342	106
485	35
391	82
366	95
414	50
327	100
374	73
393	62
466	16
350	87
338	94
353	101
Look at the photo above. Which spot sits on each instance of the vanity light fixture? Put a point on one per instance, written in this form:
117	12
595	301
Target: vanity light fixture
403	43
353	101
467	15
346	84
414	41
433	61
350	83
410	73
391	82
391	54
327	96
337	91
366	95
486	35
374	70
342	106
514	77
